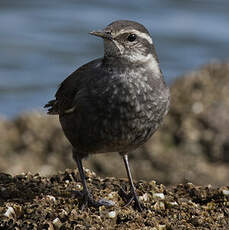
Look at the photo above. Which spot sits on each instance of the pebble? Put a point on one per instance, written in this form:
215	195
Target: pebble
112	214
225	192
3	189
159	195
144	197
78	186
159	205
197	107
51	198
162	227
112	195
10	213
57	223
173	203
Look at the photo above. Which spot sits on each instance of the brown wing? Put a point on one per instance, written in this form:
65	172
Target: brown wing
72	88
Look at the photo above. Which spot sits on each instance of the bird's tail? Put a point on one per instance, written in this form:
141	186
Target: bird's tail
52	107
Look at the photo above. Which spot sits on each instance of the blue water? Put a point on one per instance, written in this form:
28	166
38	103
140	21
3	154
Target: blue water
41	42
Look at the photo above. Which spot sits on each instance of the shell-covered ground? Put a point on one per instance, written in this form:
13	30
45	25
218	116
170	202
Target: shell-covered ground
33	202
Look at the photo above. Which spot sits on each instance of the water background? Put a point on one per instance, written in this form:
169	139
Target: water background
41	42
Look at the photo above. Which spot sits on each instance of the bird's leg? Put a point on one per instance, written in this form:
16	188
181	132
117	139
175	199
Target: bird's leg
132	195
87	198
85	194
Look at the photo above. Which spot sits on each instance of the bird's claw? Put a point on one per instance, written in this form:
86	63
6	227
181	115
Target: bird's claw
88	201
129	197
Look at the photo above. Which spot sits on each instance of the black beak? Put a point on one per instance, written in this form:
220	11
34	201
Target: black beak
102	34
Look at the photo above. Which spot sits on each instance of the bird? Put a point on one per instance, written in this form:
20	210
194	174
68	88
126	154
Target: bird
115	103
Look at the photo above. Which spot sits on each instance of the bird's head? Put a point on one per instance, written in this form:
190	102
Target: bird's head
127	40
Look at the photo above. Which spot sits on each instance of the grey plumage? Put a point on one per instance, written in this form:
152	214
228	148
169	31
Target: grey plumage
115	103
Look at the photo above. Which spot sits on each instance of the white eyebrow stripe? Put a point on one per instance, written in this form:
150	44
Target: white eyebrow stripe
138	33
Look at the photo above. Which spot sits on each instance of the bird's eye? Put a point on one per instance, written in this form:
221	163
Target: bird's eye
132	37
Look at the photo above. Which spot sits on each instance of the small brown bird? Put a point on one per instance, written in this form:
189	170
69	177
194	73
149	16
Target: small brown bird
114	103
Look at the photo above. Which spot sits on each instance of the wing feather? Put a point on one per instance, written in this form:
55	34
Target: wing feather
68	90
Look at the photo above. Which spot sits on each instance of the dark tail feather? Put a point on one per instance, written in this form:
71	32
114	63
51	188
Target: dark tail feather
52	107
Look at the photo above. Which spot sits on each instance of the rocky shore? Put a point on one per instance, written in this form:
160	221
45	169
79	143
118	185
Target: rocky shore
192	146
34	202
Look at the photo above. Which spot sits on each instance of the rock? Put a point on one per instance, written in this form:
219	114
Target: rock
191	206
225	192
112	214
57	223
159	195
10	213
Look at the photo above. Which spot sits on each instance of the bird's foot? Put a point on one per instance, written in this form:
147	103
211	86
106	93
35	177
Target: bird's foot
88	201
129	197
